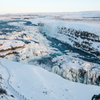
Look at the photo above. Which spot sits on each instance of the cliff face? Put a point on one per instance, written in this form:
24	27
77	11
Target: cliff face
83	40
76	70
81	35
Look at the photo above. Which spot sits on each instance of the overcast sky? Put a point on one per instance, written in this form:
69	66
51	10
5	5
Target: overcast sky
29	6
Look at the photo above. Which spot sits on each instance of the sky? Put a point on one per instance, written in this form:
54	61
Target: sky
31	6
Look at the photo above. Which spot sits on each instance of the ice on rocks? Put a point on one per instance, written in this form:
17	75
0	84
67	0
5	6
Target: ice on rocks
76	70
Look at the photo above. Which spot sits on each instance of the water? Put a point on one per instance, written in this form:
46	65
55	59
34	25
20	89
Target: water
6	28
77	53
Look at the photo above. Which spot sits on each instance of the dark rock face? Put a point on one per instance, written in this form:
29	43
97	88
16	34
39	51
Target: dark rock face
1	45
89	41
2	91
8	47
93	76
96	97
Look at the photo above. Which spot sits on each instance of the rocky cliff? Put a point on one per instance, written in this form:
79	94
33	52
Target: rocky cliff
86	41
76	70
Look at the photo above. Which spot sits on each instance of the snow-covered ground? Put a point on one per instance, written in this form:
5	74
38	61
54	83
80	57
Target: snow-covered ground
31	39
35	83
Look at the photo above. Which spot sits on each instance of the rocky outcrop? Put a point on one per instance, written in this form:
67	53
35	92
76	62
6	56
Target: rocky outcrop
1	45
93	76
86	41
10	47
76	70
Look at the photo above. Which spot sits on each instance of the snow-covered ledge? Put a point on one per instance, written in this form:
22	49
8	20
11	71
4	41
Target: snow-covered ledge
76	70
10	46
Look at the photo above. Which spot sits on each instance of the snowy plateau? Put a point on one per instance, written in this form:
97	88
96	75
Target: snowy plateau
50	56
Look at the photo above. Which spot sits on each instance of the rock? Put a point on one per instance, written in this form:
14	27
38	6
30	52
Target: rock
76	70
10	47
55	69
96	97
92	76
1	45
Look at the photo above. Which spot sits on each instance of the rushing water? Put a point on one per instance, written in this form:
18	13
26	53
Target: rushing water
69	50
66	49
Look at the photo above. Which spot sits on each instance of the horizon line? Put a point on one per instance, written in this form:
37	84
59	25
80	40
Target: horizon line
51	12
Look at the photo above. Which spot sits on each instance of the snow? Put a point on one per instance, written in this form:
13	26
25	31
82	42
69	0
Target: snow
10	44
36	83
51	26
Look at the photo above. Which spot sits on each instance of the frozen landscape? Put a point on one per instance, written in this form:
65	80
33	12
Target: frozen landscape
50	56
